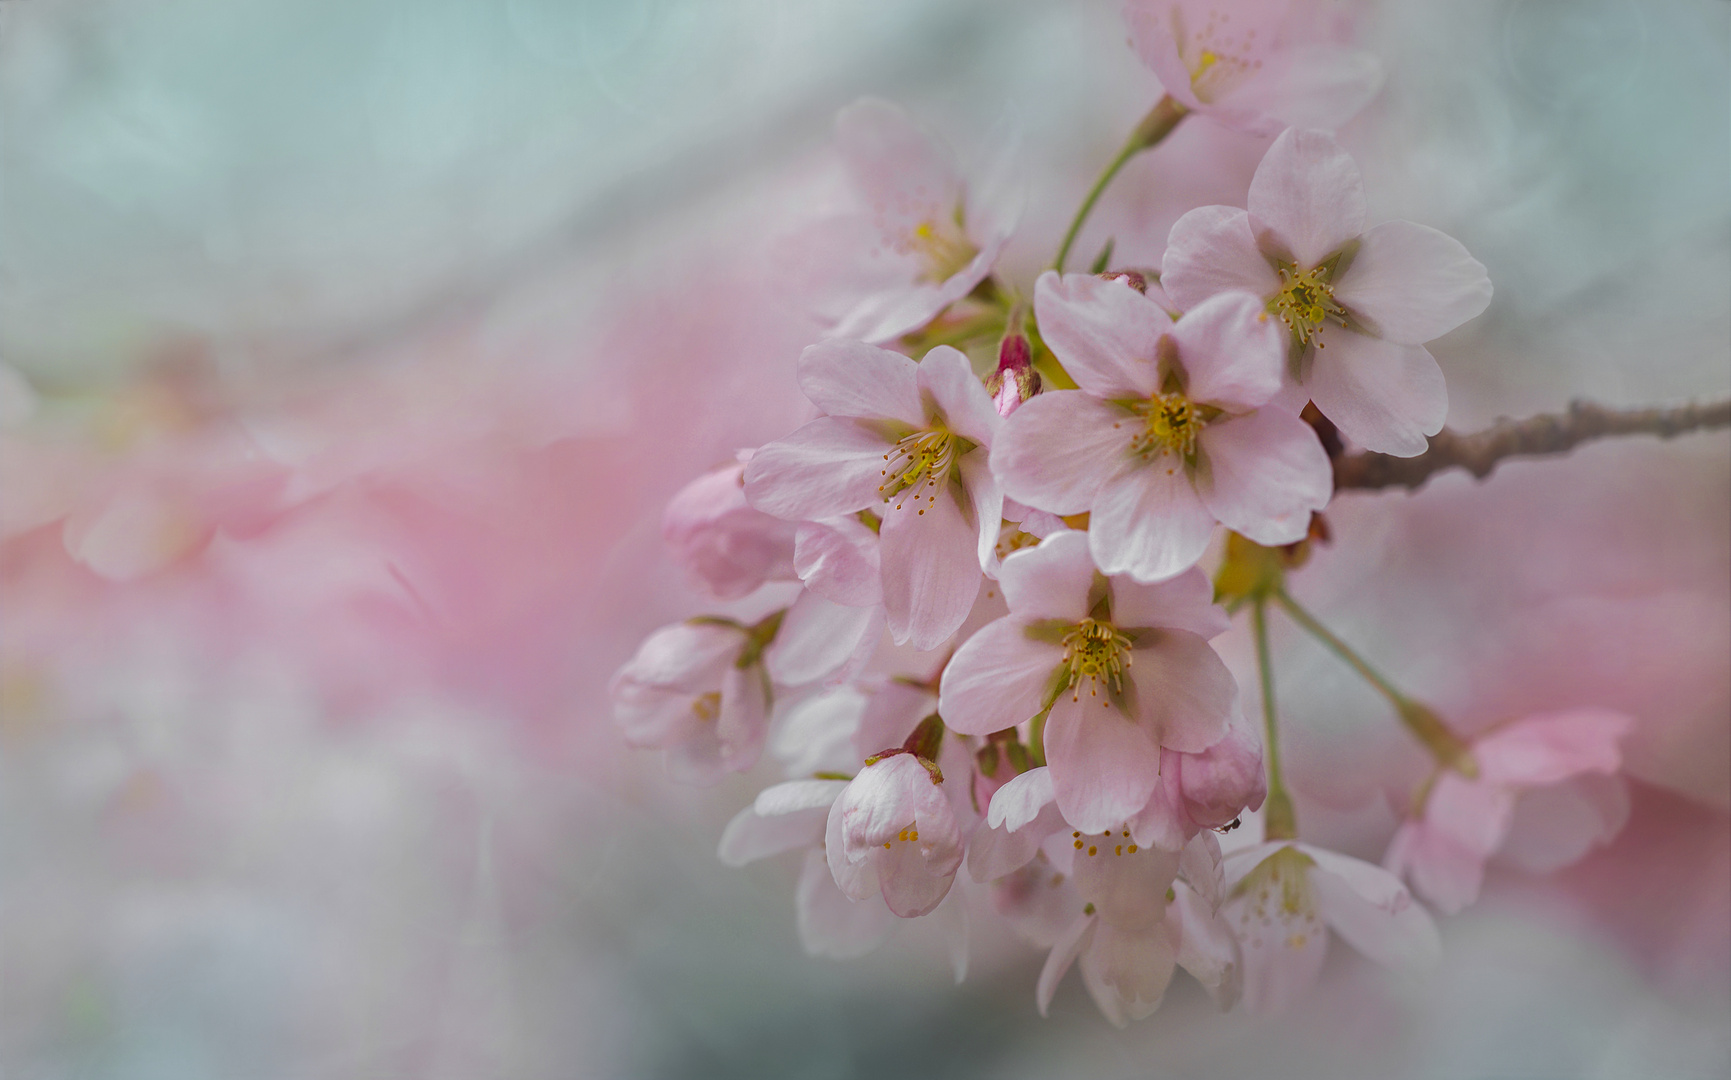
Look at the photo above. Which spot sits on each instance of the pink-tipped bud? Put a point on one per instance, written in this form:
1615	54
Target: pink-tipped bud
1129	277
1015	381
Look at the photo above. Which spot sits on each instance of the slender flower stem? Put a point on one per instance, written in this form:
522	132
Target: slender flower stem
1154	127
1279	822
1424	724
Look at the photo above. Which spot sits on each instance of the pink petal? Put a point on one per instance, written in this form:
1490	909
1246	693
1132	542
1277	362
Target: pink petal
855	871
931	570
1548	747
895	310
652	718
885	797
1104	765
684	656
797	797
1021	800
1206	947
828	467
985	502
902	173
1383	396
1231	350
1211	250
1307	198
1200	865
1069	945
1127	972
997	679
1185	602
1281	960
1060	447
838	560
1396	934
891	716
1409	283
1184	692
1310	86
830	923
838	268
1103	332
1163	823
1154	30
1263	475
698	757
751	836
1148	521
1445	872
947	379
853	379
1225	780
1473	813
817	638
1050	580
1556	825
743	722
725	546
911	885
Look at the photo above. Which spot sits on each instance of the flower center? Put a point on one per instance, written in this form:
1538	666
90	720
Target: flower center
917	467
1279	899
1218	58
1095	651
1170	422
1305	301
707	707
943	245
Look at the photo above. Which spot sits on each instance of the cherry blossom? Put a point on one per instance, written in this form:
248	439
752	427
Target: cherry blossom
1557	769
726	547
909	441
698	691
1283	898
1258	66
1358	304
1122	670
1170	431
892	831
917	239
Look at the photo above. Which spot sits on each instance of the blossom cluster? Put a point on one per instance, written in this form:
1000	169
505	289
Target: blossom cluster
1018	492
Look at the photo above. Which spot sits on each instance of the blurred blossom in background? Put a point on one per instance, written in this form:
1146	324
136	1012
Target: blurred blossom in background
353	349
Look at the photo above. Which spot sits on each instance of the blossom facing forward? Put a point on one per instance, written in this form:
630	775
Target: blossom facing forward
1120	670
1573	755
1357	304
1170	432
910	442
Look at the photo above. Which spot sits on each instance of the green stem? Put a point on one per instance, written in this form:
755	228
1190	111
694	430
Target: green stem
1158	124
1424	724
1279	822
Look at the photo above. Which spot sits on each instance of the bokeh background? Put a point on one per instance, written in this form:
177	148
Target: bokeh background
356	345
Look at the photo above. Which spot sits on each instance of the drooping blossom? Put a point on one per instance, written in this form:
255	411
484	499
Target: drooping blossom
1357	304
833	627
1170	432
909	441
726	547
916	240
698	691
1283	898
1257	66
1121	670
791	817
1557	769
893	832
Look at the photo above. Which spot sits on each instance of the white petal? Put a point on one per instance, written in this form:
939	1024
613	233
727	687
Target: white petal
1263	474
853	379
797	796
1409	283
1103	332
1148	521
1307	197
1212	250
749	836
1383	396
1127	972
1060	447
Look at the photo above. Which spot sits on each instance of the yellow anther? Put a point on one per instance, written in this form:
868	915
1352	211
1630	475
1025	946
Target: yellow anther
1305	302
918	467
707	706
1169	422
1132	849
1097	652
1092	849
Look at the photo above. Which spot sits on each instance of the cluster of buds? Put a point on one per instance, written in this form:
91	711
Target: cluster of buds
1071	746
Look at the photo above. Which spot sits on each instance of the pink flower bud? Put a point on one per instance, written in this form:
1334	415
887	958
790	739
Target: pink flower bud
727	547
1015	381
1226	779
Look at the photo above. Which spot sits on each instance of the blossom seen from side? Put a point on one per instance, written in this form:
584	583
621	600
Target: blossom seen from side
724	545
892	832
1357	304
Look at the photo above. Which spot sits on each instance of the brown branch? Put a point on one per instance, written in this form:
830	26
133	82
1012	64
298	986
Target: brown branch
1555	433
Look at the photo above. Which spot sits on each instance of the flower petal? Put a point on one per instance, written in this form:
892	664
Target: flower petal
1103	332
1060	447
828	467
931	569
1127	972
900	171
1185	602
1371	909
1050	580
1442	869
1211	250
1184	692
817	638
1263	475
751	836
1555	825
837	559
1309	86
743	723
684	656
1069	945
997	679
1232	352
1409	283
890	717
1547	747
1021	800
1383	396
830	923
1104	765
1307	198
947	379
986	501
1148	521
1281	959
797	797
1206	947
853	379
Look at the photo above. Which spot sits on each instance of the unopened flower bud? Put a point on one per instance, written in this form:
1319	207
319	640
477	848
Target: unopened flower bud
1015	381
727	547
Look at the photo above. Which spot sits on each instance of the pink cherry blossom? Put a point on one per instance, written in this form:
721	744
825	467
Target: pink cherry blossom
892	831
1257	66
910	441
1358	303
833	628
1123	668
1283	898
726	547
693	691
1463	822
917	239
1170	431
